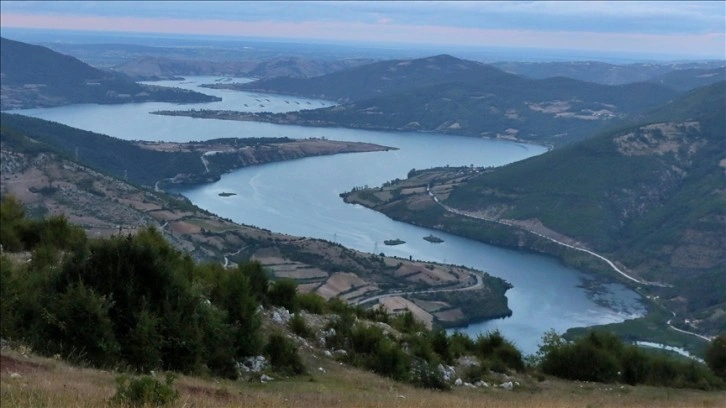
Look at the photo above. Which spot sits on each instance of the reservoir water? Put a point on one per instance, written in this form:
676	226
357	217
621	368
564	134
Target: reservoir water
301	197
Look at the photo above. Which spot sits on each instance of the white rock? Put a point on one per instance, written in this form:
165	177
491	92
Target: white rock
253	364
458	382
265	378
328	353
447	372
15	375
507	385
321	369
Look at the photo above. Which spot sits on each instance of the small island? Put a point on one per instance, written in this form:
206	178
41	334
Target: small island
226	194
434	239
393	242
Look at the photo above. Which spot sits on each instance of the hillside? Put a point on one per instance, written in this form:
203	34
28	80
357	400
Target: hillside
448	95
652	197
154	67
611	74
687	79
40	168
379	78
162	164
35	76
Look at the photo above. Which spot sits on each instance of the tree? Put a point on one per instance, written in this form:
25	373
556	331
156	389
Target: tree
283	293
716	356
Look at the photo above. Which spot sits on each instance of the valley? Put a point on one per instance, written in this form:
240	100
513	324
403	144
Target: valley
410	214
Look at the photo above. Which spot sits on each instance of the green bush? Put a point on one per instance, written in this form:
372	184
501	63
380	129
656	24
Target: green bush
388	359
716	356
283	355
426	375
283	293
144	391
499	352
299	327
602	357
312	303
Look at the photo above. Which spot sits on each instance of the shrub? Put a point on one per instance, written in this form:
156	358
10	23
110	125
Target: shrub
283	355
500	352
582	361
283	293
716	356
299	327
390	360
258	281
311	302
426	375
603	357
144	390
460	344
80	327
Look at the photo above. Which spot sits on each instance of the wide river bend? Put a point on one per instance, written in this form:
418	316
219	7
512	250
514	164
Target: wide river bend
301	197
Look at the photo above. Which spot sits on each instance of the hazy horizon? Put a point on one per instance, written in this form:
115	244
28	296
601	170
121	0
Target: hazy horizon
617	30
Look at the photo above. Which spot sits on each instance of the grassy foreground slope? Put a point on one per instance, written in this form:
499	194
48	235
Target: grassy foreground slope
48	382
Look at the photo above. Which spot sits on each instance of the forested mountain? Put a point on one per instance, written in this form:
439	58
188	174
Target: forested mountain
35	76
653	196
382	78
687	79
449	95
154	164
607	74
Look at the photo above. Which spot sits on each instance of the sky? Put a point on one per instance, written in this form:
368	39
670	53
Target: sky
677	28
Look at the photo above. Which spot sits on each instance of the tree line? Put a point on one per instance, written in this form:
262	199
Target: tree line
134	303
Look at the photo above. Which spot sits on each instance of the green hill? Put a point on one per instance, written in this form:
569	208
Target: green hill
449	95
616	74
381	78
35	76
651	196
687	79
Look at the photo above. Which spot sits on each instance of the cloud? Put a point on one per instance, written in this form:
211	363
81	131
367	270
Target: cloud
598	16
686	28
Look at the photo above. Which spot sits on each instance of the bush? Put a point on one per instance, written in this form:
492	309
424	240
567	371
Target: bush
311	302
499	352
585	360
283	293
283	355
426	375
716	356
80	327
299	327
144	390
390	360
603	357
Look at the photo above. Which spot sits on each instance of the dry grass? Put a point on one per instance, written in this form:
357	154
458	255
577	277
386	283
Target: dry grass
45	382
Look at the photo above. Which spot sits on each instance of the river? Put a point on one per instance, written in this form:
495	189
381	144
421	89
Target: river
301	197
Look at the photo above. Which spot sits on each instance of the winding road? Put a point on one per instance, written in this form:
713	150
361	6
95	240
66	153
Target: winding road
480	217
609	262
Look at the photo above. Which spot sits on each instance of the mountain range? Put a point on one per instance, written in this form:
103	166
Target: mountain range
612	74
651	196
35	76
448	95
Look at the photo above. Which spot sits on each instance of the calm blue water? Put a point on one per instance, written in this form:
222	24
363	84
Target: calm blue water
301	197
